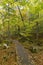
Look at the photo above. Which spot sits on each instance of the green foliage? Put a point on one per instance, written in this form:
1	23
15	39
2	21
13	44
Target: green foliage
19	18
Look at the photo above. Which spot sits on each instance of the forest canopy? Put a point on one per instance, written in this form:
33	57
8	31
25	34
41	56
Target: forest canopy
21	16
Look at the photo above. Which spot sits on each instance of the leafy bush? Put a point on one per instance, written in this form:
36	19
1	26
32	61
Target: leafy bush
33	49
5	58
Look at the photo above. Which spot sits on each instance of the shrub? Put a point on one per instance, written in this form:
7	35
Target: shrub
33	49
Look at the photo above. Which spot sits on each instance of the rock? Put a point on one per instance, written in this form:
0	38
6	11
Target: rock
5	45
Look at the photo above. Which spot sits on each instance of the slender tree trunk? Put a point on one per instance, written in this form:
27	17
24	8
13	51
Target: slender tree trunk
21	15
37	25
8	23
8	29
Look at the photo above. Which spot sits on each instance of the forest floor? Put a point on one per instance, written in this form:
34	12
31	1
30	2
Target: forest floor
38	56
8	55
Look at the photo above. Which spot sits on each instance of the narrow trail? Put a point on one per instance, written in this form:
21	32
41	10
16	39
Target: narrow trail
22	55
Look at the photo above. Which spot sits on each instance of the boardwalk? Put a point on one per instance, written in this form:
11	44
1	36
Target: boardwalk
22	55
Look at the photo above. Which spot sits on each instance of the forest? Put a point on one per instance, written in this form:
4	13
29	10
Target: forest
21	32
